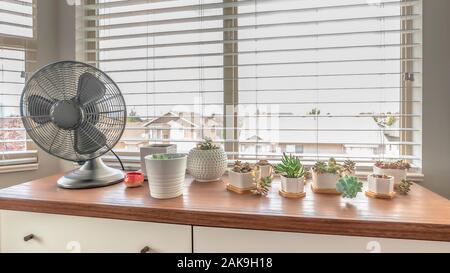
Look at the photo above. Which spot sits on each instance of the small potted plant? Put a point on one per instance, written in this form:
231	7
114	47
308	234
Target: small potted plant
292	176
207	162
265	167
166	174
397	169
242	177
348	168
380	186
325	176
349	186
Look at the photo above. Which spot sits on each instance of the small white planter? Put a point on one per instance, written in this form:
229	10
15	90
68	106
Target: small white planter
398	174
266	170
242	180
207	165
292	185
324	181
166	177
155	149
384	186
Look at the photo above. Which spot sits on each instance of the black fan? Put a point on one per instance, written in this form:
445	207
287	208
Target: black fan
76	112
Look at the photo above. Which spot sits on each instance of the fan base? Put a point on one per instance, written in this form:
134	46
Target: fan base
93	174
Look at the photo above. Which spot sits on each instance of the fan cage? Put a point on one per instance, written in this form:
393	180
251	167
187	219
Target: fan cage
59	81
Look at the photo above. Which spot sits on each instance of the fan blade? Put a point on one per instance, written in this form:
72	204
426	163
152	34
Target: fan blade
90	88
39	109
88	139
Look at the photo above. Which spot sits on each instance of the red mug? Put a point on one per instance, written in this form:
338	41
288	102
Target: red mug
133	179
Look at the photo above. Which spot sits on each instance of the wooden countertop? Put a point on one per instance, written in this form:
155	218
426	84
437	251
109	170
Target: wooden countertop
421	215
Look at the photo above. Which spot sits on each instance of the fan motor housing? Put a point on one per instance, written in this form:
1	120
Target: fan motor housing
66	114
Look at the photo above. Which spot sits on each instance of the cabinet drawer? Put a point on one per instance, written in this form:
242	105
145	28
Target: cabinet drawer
237	240
59	233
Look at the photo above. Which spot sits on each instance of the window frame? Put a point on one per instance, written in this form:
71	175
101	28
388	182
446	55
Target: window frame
26	160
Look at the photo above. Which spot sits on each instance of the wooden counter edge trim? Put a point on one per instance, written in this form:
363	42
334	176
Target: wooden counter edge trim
394	230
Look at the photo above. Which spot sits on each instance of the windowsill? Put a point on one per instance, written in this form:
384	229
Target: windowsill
19	168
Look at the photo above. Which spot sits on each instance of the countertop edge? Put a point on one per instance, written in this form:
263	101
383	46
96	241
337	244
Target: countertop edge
344	227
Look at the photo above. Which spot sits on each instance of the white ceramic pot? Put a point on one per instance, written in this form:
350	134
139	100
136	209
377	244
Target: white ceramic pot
266	170
380	185
242	180
155	149
398	174
207	165
324	180
166	177
292	185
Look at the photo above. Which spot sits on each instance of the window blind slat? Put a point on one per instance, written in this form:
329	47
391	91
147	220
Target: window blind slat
221	5
334	78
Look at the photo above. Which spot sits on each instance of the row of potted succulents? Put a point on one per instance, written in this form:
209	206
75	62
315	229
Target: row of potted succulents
208	162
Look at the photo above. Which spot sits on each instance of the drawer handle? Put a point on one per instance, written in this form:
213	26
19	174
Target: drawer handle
146	249
28	237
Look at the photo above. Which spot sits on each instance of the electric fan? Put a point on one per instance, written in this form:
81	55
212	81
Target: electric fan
75	112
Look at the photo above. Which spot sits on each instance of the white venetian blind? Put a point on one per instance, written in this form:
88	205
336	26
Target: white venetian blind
17	60
316	78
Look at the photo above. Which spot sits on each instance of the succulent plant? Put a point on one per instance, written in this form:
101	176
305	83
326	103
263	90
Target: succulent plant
263	186
349	166
160	157
240	167
290	167
207	144
349	186
404	187
328	167
399	165
263	162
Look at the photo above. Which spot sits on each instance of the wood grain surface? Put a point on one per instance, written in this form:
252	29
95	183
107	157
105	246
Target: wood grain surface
421	215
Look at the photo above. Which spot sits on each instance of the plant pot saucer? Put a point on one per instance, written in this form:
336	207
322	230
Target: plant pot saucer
292	195
380	195
239	190
325	191
207	180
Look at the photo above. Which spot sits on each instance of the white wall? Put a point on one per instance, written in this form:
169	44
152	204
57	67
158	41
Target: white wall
54	31
436	96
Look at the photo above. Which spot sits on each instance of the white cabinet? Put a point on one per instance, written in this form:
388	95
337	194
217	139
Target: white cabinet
208	239
59	233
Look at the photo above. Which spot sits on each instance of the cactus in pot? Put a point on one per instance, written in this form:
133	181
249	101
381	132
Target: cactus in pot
207	162
292	175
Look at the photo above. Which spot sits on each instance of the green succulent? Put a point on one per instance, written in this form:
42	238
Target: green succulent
290	167
160	157
328	167
207	144
404	187
349	186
